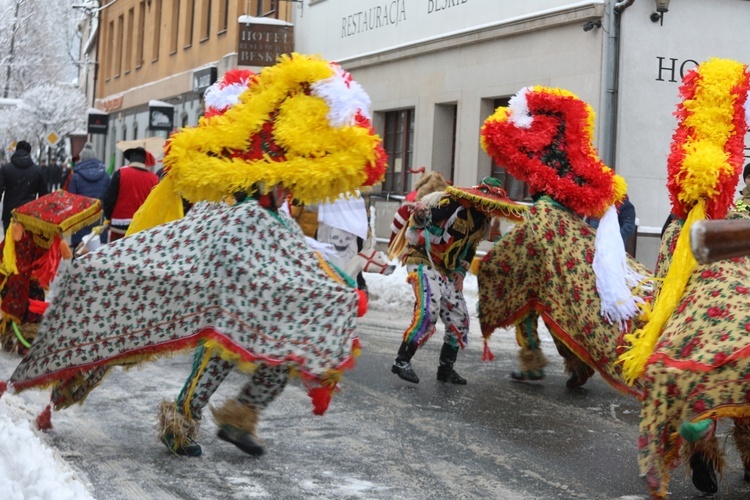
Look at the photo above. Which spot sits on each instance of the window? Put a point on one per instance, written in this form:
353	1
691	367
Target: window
111	50
120	38
399	145
205	20
189	22
517	190
141	33
223	15
129	43
175	26
266	8
157	29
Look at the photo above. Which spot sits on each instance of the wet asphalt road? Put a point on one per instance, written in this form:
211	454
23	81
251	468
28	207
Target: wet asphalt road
382	438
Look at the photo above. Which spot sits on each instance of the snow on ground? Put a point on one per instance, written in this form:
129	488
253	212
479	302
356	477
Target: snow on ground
30	468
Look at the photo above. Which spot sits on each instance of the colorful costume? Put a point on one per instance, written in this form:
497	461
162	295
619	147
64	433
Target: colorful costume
687	360
32	250
443	235
238	282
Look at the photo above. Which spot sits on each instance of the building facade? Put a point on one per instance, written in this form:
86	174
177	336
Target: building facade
436	69
156	58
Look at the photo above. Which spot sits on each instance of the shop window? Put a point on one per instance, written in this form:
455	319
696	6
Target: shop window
517	190
399	145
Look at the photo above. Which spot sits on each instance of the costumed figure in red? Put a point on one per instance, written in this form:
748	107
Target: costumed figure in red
235	282
127	190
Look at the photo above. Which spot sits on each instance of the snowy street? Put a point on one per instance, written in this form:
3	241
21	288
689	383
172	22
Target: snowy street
381	438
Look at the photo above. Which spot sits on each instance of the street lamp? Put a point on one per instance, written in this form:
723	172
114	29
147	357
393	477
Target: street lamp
662	6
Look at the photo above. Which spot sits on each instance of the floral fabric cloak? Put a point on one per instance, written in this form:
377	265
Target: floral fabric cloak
700	367
241	277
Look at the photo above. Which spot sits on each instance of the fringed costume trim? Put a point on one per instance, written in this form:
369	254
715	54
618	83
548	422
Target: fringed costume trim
419	330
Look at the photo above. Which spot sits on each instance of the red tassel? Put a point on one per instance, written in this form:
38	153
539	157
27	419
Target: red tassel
362	304
487	354
321	398
3	387
38	306
44	420
65	251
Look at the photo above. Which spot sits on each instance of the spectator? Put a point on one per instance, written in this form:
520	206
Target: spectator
127	191
743	204
626	218
90	179
21	181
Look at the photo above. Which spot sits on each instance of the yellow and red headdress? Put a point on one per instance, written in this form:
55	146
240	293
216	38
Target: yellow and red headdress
703	169
544	138
303	123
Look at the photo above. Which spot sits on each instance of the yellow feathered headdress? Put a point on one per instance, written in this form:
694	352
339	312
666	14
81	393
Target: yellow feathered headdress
303	123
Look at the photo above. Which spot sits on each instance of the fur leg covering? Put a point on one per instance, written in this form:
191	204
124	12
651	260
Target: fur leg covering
741	435
706	451
234	414
174	424
531	360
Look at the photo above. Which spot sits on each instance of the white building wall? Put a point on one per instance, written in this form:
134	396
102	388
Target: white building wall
692	31
422	53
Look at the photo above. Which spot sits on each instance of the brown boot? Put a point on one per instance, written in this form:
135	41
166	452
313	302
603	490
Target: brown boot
237	423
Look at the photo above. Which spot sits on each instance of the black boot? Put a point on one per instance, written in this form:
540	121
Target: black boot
402	365
188	449
445	372
703	475
241	439
579	377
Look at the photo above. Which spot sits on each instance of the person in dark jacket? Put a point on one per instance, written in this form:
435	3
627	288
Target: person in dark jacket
21	181
89	178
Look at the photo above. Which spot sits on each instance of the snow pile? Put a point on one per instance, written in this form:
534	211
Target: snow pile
28	466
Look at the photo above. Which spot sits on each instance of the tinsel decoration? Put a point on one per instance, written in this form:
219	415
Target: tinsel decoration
703	170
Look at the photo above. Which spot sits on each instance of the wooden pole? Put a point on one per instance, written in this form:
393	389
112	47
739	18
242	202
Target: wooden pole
713	240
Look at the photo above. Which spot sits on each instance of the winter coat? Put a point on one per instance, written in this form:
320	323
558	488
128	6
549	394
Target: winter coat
89	178
21	181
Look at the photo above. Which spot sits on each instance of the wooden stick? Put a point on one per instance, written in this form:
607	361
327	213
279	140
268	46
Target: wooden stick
713	240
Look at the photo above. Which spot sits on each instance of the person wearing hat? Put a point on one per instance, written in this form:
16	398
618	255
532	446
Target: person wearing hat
21	181
128	189
443	235
89	178
743	204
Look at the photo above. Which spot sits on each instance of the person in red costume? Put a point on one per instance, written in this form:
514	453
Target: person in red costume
128	189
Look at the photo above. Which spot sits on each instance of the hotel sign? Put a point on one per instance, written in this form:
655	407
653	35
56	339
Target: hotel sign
262	44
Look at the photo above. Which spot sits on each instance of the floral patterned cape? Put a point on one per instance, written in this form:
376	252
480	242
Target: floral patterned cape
241	277
701	365
545	265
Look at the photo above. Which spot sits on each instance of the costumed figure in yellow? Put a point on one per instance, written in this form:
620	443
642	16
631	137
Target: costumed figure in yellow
235	282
